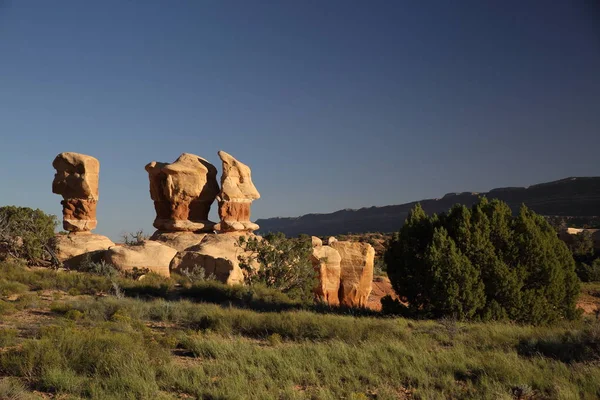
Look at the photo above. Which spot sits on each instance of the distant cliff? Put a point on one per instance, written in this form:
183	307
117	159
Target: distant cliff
578	197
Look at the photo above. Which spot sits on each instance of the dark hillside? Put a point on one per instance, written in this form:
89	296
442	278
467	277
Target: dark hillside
574	197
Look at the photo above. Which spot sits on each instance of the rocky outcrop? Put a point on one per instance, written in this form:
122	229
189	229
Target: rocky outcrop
236	196
149	254
180	241
326	261
218	255
76	180
74	248
183	193
356	274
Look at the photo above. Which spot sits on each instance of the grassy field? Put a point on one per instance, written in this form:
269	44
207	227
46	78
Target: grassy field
63	336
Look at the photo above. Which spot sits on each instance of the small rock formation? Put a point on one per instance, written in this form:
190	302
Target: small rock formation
326	261
217	254
180	241
150	254
356	276
236	196
183	193
76	179
73	248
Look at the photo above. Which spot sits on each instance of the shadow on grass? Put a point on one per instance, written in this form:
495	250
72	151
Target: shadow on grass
257	298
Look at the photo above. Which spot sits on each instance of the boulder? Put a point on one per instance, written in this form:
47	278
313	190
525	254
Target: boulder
75	247
216	254
356	275
180	241
326	261
316	242
236	196
76	180
149	254
183	193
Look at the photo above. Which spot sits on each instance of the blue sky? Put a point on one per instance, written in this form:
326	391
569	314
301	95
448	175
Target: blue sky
334	104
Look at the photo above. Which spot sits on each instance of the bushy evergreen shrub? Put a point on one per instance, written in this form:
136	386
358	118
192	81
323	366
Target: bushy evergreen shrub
26	233
483	263
280	263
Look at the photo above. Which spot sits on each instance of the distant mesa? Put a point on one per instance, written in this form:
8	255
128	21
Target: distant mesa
573	197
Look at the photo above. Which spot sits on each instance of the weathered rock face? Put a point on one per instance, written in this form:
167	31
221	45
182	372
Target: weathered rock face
217	254
236	196
76	179
183	193
356	275
326	261
73	248
180	241
150	254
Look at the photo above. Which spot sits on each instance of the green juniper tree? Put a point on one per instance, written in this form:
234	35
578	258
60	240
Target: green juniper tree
483	263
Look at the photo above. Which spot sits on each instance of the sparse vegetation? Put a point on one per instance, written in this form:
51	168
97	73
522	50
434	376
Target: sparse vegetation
26	234
280	263
108	348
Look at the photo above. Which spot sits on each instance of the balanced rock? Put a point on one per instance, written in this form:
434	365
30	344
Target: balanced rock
326	261
236	196
74	248
356	275
180	241
183	193
149	254
76	179
217	254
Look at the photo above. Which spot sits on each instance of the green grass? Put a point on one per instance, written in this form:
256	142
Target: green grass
154	348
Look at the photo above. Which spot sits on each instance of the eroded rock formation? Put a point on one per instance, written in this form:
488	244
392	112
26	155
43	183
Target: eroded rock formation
76	180
74	248
150	254
236	196
183	193
326	261
217	254
356	275
180	241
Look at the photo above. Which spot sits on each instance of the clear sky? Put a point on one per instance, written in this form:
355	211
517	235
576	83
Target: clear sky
333	104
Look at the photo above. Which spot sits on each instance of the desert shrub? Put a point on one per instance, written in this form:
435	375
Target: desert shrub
26	233
280	263
589	272
8	337
483	263
134	239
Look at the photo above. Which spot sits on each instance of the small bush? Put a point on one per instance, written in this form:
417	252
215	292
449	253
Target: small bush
280	263
8	337
26	233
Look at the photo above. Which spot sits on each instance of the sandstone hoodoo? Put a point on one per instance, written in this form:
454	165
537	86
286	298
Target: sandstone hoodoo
183	193
326	261
76	180
356	275
236	196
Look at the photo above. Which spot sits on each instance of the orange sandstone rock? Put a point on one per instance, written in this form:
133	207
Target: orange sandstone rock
356	275
76	179
183	193
236	196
